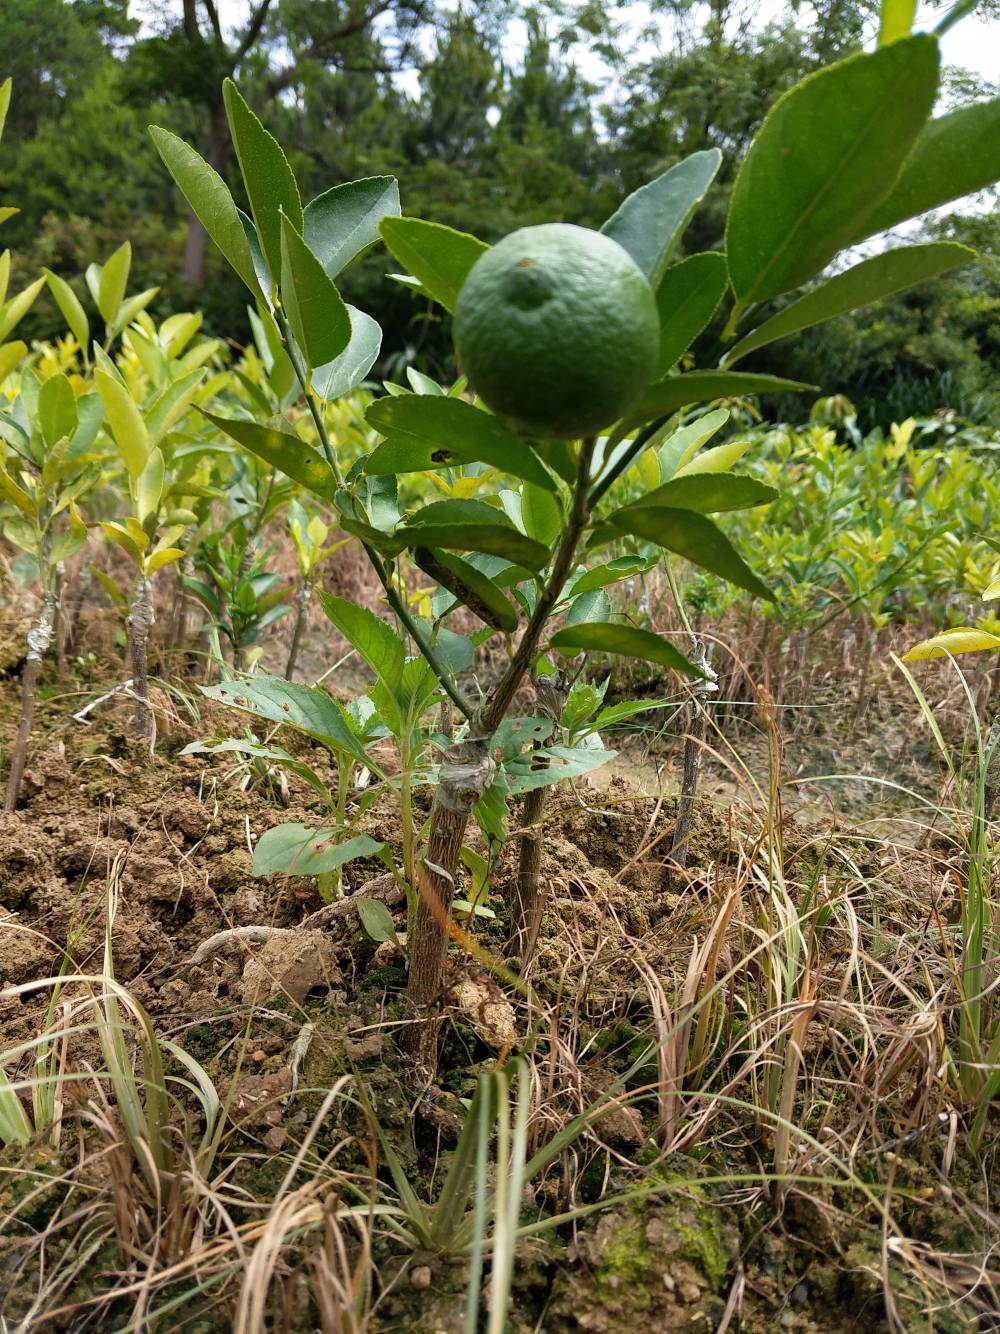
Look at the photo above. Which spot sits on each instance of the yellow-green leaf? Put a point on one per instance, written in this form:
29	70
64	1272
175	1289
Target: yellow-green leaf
149	486
10	355
897	20
960	640
127	425
113	281
122	538
69	304
17	307
166	556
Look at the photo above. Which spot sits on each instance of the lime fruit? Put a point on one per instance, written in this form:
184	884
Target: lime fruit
557	330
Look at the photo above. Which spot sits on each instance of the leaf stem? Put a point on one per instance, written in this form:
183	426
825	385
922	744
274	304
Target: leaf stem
397	603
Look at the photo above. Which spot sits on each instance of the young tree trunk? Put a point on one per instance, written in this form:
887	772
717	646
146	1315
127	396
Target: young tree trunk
528	902
179	633
526	909
140	621
693	745
861	700
60	625
39	639
303	596
465	775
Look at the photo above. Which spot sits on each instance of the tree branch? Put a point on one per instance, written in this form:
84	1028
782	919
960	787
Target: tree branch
253	29
213	18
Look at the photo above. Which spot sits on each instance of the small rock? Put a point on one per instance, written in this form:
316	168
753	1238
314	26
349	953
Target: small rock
800	1294
295	963
420	1278
484	1006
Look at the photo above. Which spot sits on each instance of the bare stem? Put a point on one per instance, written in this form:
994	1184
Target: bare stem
140	622
39	639
466	773
302	597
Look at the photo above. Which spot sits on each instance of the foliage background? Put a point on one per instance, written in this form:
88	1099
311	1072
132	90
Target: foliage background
483	113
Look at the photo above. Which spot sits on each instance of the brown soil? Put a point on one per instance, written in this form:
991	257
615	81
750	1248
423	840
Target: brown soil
168	842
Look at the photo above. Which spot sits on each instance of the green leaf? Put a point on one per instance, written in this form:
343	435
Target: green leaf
687	298
680	391
348	370
57	415
113	282
315	309
652	219
298	849
628	640
423	431
69	305
377	642
209	197
695	538
308	709
956	155
341	224
622	567
541	514
373	537
376	919
126	421
5	91
524	775
594	605
960	640
827	153
276	443
709	493
473	588
268	178
869	281
896	21
496	539
438	256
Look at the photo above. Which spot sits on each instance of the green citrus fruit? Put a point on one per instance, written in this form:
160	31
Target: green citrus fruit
557	330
